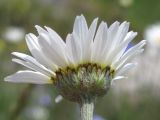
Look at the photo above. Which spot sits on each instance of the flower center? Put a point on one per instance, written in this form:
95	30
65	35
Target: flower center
87	80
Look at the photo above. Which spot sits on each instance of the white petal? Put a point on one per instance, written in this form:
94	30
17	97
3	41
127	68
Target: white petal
128	58
99	42
80	27
58	99
125	68
121	33
112	30
27	58
33	67
129	54
80	34
136	47
69	49
29	77
32	61
118	78
120	49
86	56
74	49
117	40
40	30
92	30
53	53
55	37
33	45
130	36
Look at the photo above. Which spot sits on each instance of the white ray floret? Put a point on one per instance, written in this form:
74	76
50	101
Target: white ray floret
29	77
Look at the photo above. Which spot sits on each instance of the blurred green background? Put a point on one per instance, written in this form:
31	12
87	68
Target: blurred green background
34	102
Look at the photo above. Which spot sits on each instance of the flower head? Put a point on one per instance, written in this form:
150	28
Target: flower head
85	64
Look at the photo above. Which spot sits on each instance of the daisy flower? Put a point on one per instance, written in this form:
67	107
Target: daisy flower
84	66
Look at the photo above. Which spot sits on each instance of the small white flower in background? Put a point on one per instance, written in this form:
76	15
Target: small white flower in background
152	35
84	66
126	3
151	60
14	34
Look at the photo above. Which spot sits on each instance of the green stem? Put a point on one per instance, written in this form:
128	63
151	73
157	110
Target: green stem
87	108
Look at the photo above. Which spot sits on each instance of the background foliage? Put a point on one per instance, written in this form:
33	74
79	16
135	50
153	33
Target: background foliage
33	102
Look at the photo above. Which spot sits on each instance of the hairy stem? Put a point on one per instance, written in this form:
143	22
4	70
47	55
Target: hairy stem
87	108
